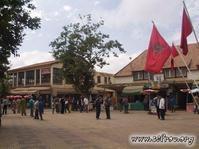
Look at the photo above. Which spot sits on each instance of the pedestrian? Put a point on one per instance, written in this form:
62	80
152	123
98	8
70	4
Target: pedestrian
98	103
86	102
57	105
74	102
157	102
120	102
81	104
18	105
13	105
62	105
125	103
107	104
42	103
146	103
53	105
23	106
36	105
31	106
162	108
196	102
40	110
5	106
172	104
70	103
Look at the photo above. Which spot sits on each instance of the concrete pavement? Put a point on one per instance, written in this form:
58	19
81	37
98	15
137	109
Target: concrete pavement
82	131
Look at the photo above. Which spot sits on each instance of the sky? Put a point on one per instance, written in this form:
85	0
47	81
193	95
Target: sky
128	21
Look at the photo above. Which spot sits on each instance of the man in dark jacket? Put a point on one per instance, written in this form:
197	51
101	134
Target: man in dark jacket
40	110
98	103
107	105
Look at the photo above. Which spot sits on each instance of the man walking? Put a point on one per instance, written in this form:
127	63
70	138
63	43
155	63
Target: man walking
23	106
162	108
125	103
36	104
5	106
98	103
40	109
86	104
31	105
107	105
157	102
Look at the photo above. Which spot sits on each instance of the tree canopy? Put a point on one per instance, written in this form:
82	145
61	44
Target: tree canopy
80	47
15	17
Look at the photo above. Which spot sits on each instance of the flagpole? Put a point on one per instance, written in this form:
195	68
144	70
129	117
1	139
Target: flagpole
186	65
185	81
191	23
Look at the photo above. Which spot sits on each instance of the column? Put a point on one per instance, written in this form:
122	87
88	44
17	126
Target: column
40	77
35	77
51	76
17	79
24	78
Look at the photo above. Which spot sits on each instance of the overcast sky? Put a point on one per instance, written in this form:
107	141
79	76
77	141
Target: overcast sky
128	21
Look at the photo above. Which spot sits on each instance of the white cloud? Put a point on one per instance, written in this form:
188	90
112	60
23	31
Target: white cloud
117	63
28	58
142	11
67	8
96	3
56	13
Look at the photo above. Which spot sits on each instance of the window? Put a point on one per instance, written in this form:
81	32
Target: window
169	73
147	75
15	79
21	78
30	79
138	75
98	79
38	76
105	80
45	75
183	71
57	76
109	80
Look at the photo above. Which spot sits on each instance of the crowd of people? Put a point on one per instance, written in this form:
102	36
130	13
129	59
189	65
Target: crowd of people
66	104
19	106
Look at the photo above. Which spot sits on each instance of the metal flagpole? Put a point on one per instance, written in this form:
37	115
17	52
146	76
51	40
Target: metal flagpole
186	65
191	23
187	84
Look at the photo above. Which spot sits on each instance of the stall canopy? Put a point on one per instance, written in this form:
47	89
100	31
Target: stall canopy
195	90
132	90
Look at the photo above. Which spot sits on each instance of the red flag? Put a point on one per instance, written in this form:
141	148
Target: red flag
174	53
172	63
158	52
186	31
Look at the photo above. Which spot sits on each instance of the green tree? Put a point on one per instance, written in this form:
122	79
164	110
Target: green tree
81	47
15	17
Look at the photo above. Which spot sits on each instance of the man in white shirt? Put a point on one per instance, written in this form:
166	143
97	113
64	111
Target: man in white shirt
162	106
86	104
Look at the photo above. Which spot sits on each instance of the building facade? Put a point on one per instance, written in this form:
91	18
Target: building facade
169	80
46	79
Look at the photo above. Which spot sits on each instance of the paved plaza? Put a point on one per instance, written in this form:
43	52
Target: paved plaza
82	131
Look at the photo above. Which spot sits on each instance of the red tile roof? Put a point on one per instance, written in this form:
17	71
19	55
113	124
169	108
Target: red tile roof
139	62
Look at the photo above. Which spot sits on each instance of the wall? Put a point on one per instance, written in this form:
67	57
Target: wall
193	75
118	80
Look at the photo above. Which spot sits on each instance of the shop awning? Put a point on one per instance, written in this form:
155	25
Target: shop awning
28	90
132	90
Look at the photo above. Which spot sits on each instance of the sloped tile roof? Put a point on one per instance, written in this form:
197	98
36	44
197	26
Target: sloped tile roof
138	64
34	65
